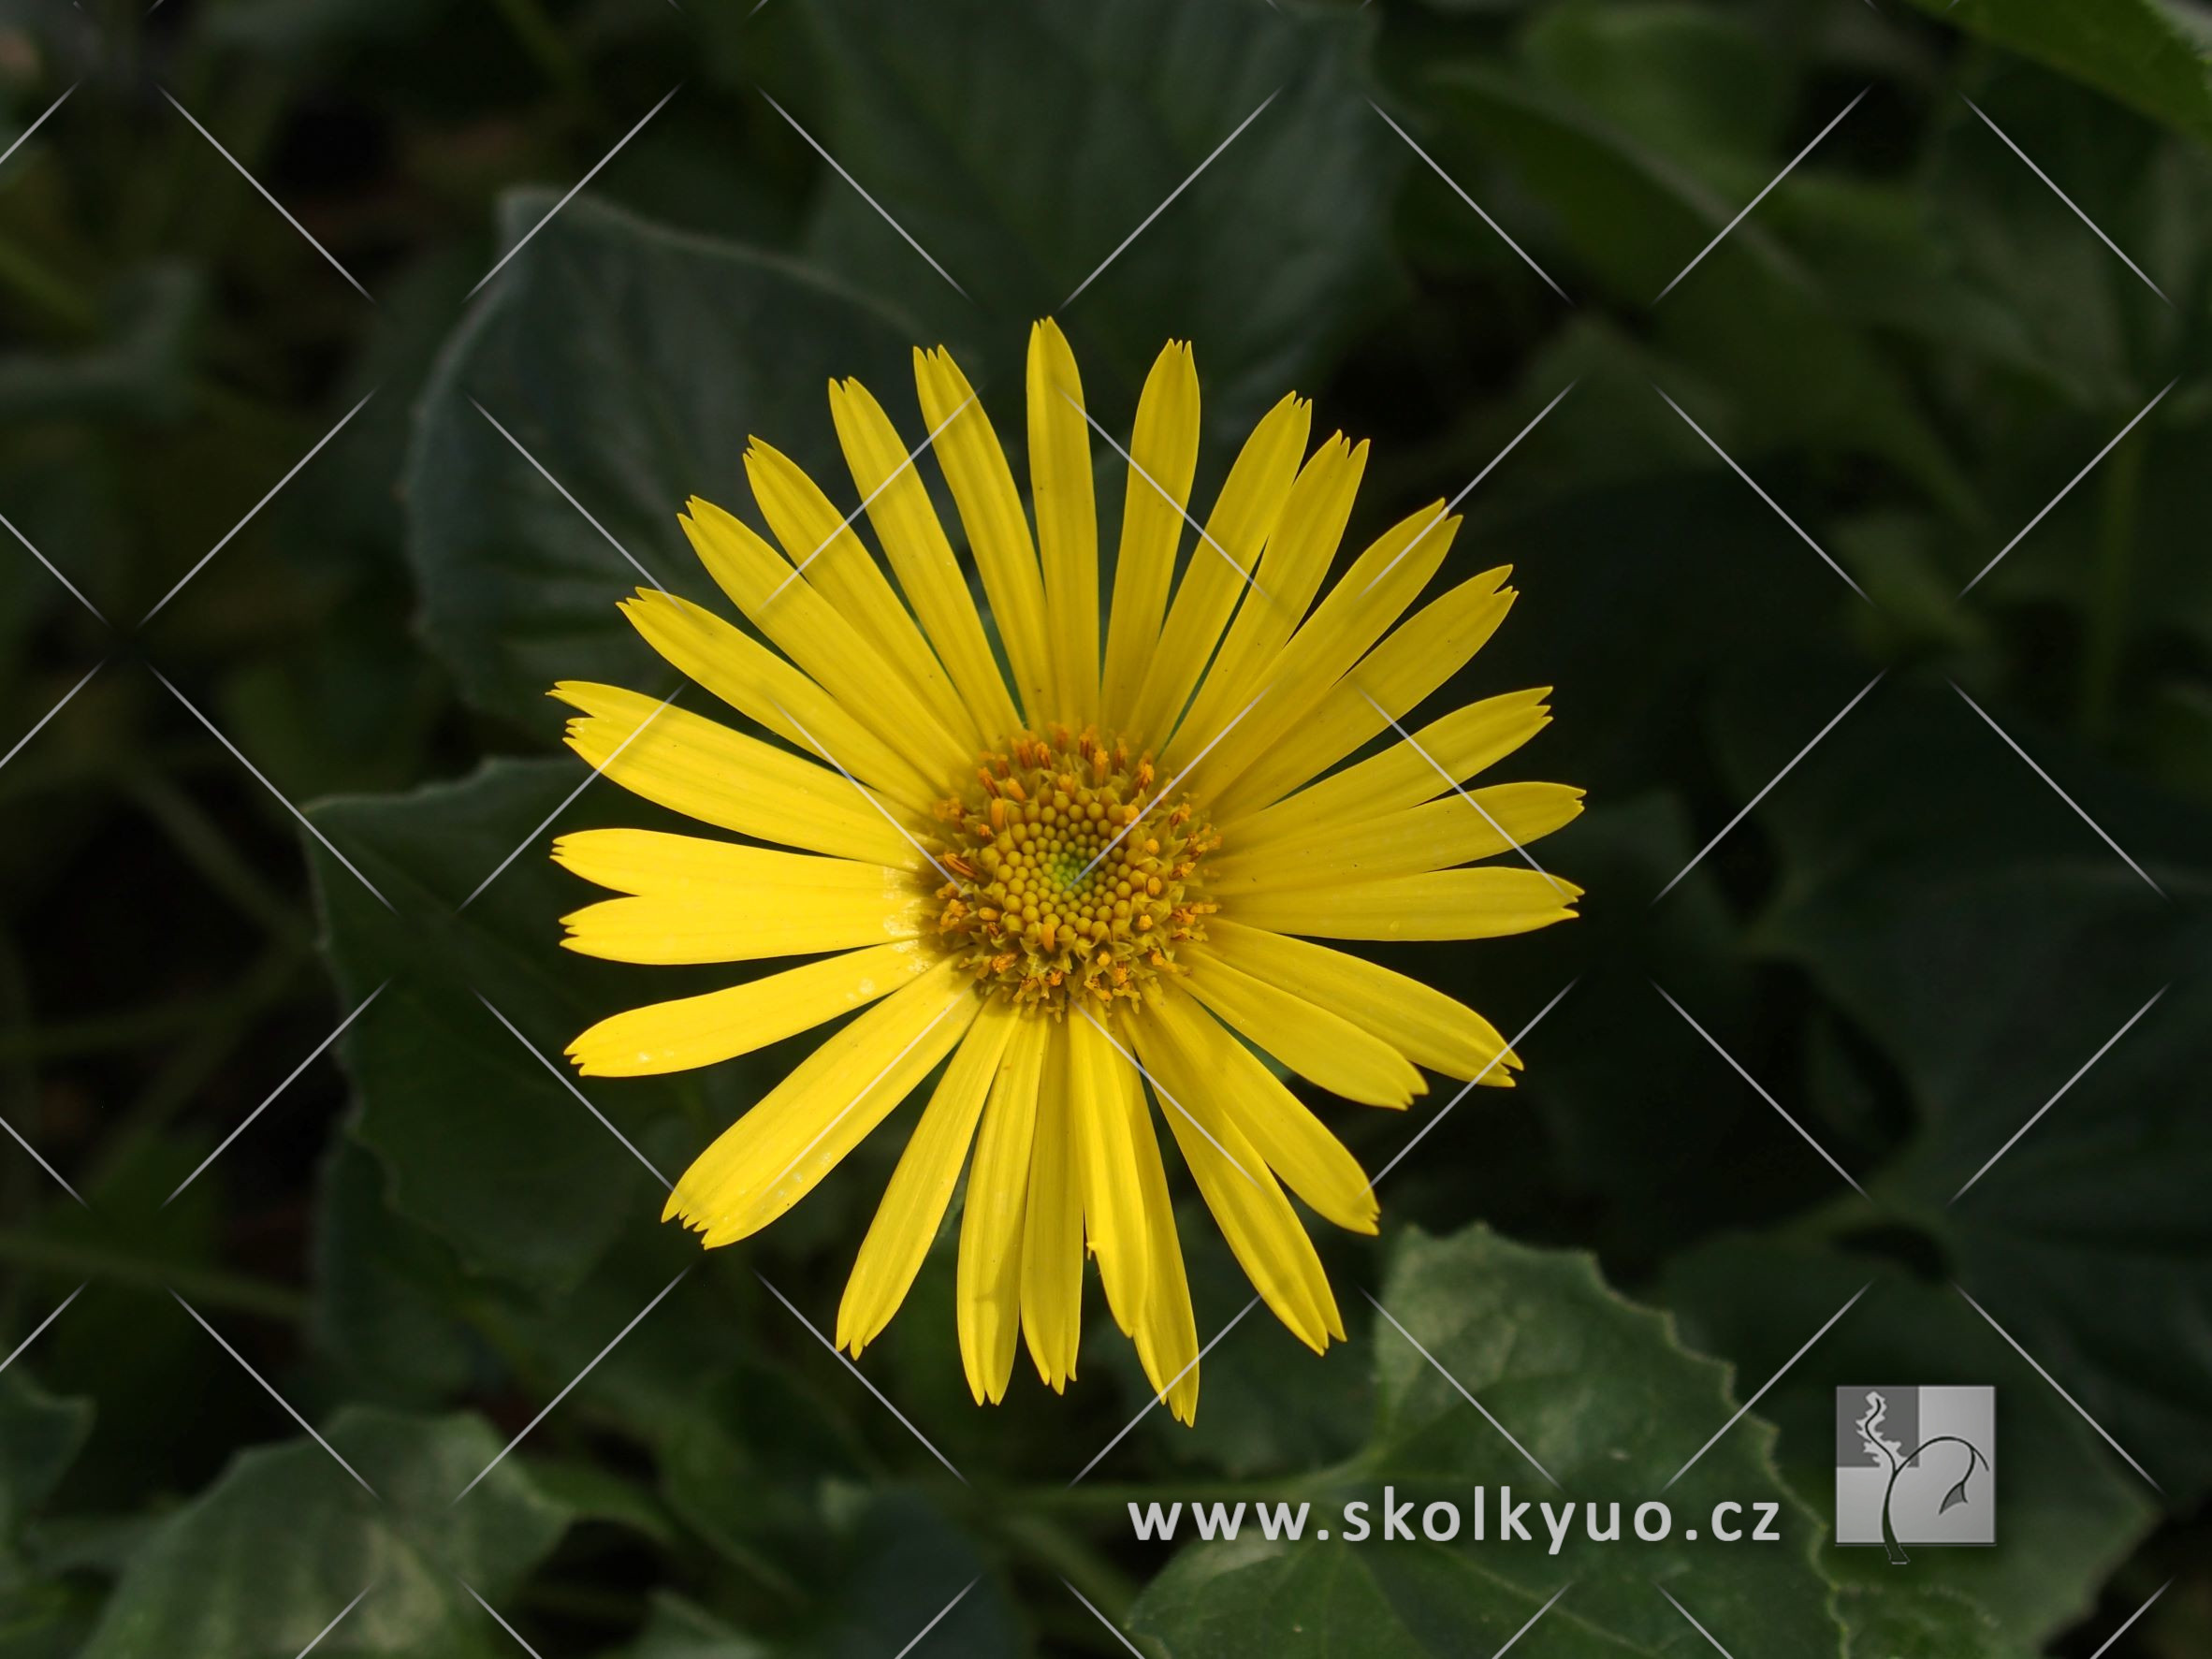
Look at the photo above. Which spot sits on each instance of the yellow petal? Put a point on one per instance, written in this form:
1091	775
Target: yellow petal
1312	1162
1167	1329
1371	596
754	680
807	628
694	1031
991	1225
1421	1022
1453	747
914	1203
1487	903
1052	1231
983	488
692	766
1298	553
1315	1041
1263	1232
1245	514
773	1155
899	508
816	537
1163	446
1113	1207
1067	520
1455	830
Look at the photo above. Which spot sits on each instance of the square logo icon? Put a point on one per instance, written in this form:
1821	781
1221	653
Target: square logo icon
1915	1465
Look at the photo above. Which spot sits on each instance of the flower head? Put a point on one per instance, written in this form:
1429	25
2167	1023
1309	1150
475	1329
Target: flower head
1088	882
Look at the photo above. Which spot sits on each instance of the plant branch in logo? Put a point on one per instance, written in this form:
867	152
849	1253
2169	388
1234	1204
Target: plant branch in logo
1890	1452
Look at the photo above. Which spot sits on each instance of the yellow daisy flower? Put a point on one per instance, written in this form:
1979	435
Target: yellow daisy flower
1099	880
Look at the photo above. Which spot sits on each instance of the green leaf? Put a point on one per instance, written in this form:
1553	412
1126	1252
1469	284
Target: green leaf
2144	53
1961	915
263	1560
1023	147
1894	1621
1603	1396
632	362
39	1437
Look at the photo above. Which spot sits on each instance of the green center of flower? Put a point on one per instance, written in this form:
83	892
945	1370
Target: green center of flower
1070	876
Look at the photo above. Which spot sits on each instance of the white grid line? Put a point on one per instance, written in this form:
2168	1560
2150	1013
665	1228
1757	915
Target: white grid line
292	1077
1435	168
1749	804
2063	1394
24	136
2131	1619
239	755
335	1622
2060	793
272	1392
2061	1095
892	477
1440	1370
636	1319
1738	1416
52	712
565	496
2093	225
1204	535
498	1620
579	184
1533	1618
1114	1628
1693	1618
1164	1096
1458	789
881	1398
942	1611
1170	197
867	794
1761	1090
272	200
882	212
1161	1395
1165	791
569	1084
40	1329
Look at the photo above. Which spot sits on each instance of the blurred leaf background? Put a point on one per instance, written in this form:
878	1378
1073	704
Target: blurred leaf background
1911	344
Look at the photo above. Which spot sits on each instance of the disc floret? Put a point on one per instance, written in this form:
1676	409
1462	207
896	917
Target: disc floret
1071	878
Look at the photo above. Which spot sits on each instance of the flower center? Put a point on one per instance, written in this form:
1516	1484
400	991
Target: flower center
1070	875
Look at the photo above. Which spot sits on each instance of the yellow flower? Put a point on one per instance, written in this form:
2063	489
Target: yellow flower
1072	886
